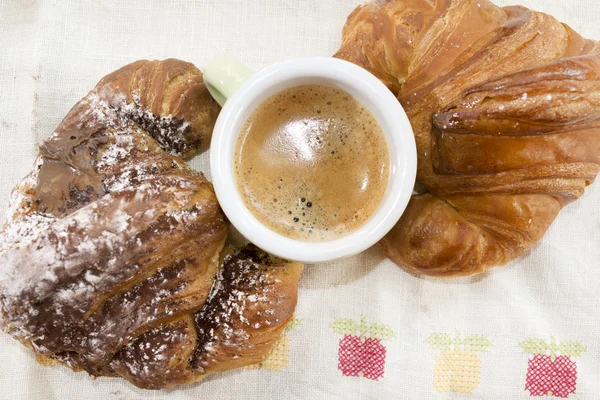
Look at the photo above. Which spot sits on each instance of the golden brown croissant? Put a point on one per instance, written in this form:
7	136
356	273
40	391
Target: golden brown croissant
111	256
504	103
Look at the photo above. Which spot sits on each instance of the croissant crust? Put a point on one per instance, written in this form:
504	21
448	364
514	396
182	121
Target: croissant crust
111	256
505	108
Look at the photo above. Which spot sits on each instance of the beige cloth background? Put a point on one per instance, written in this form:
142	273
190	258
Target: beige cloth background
52	52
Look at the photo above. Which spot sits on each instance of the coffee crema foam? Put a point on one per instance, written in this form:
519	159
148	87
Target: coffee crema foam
312	163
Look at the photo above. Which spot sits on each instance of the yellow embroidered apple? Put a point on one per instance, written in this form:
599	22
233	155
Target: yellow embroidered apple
458	366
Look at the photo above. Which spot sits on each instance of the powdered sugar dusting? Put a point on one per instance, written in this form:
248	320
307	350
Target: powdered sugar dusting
57	244
117	151
242	300
110	237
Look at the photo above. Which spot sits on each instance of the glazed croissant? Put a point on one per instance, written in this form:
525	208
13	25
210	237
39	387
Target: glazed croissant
111	256
505	107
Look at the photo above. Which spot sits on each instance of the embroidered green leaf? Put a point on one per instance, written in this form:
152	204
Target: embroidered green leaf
476	343
380	331
439	341
344	326
552	348
293	324
444	341
534	346
571	348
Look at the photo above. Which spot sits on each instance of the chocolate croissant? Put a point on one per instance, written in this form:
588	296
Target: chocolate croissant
111	258
505	107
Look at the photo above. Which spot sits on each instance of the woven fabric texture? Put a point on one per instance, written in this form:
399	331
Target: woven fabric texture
397	336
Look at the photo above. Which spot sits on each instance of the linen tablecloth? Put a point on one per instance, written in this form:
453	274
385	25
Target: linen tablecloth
363	328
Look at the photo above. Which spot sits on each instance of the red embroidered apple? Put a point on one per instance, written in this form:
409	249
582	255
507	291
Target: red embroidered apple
361	352
360	357
549	374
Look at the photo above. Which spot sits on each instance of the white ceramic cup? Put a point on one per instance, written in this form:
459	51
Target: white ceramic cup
242	92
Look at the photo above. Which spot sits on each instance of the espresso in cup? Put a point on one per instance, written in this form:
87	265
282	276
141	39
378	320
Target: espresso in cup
312	163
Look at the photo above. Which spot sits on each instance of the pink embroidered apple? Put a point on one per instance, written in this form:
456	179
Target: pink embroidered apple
361	352
551	371
358	356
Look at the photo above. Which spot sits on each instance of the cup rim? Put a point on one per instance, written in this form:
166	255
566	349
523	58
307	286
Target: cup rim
392	119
